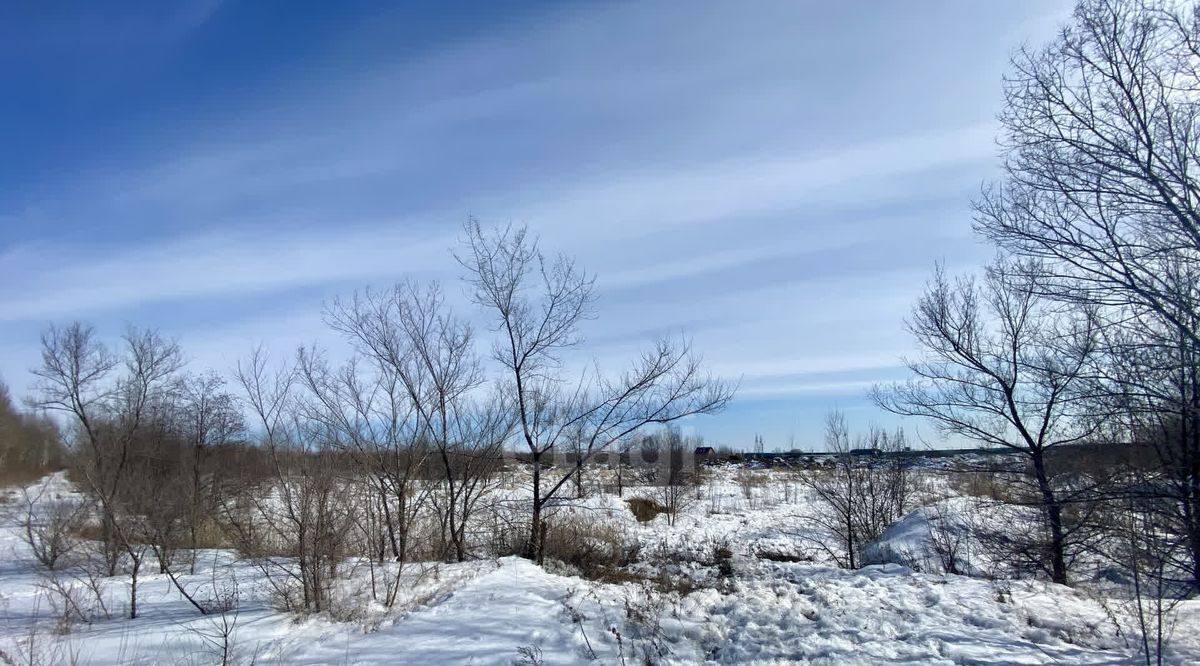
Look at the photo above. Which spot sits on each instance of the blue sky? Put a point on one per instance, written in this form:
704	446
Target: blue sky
776	180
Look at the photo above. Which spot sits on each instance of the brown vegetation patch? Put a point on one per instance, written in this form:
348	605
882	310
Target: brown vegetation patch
645	509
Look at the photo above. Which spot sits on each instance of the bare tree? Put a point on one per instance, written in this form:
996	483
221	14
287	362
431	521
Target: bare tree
441	374
305	510
50	526
426	353
673	473
1100	189
365	411
1001	367
159	503
113	412
471	463
620	456
1101	156
537	306
75	378
207	416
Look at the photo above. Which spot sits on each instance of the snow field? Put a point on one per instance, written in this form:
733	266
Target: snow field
487	610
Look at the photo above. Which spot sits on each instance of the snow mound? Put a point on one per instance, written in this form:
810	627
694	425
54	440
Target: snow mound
936	538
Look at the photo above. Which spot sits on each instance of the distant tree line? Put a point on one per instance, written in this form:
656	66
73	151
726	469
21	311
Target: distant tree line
30	445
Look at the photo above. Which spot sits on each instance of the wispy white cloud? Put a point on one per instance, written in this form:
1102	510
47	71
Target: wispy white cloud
231	261
743	187
77	281
800	387
723	169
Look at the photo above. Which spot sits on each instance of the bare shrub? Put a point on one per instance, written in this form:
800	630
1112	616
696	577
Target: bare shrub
50	527
1149	561
861	493
223	602
531	655
75	598
578	618
34	648
949	540
792	489
645	609
596	549
674	474
748	480
716	503
1007	540
984	483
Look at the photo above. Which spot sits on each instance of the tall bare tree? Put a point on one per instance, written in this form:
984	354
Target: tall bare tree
1101	155
116	403
207	416
1002	367
409	334
537	305
305	509
1102	150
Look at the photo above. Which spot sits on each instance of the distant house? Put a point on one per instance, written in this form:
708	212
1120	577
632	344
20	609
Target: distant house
705	453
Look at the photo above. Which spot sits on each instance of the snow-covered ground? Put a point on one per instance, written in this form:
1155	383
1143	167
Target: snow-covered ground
746	605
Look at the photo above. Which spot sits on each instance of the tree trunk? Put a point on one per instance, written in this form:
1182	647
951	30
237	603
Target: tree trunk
1191	461
387	520
112	549
133	580
456	529
1053	513
536	536
195	517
